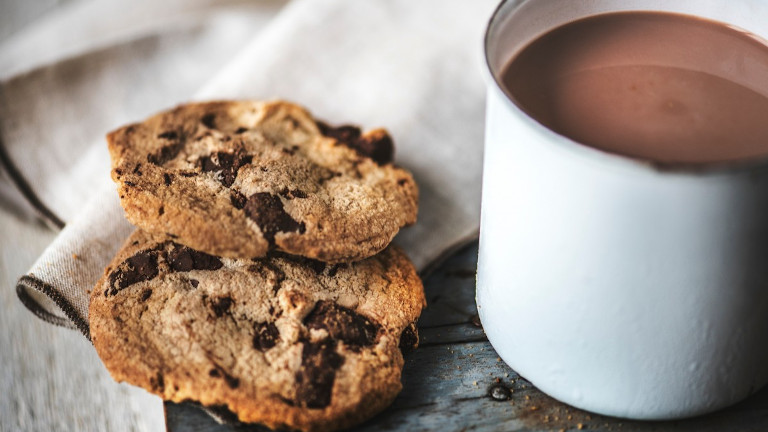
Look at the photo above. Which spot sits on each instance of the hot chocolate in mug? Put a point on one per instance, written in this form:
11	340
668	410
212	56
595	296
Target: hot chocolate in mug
613	283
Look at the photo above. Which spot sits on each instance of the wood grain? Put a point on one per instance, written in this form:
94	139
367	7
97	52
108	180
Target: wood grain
449	383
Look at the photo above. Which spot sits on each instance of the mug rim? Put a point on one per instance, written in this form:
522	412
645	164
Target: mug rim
644	164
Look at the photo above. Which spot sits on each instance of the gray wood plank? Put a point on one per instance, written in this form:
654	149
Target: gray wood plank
456	382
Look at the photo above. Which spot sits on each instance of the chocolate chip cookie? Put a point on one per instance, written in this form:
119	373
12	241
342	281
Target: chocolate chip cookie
285	341
238	179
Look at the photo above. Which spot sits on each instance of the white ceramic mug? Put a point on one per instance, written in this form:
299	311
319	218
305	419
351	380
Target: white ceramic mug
611	284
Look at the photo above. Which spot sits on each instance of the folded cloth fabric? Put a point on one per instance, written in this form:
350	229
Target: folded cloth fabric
412	67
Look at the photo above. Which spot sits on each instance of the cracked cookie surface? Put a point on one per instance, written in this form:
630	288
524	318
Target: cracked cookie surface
240	178
284	341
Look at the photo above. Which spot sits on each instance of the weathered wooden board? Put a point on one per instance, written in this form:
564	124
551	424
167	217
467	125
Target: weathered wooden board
456	382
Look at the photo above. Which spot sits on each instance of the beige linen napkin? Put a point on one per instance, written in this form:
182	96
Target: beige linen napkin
412	67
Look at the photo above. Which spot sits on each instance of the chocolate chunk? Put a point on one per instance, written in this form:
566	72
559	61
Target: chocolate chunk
221	305
188	174
268	212
319	362
343	324
161	211
137	169
146	294
345	134
194	283
138	268
240	130
376	145
183	259
379	148
409	338
158	382
227	164
209	120
231	381
266	334
292	193
402	182
166	153
167	179
169	135
237	199
129	183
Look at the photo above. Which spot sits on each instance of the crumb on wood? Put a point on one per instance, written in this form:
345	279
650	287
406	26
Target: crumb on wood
74	256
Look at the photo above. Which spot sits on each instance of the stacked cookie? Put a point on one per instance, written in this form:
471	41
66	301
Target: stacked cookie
260	279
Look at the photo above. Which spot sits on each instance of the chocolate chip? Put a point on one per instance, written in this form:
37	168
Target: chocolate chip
240	130
377	145
158	382
379	148
194	283
183	259
209	120
319	362
146	294
268	212
161	211
231	381
140	267
346	133
409	338
288	151
129	183
402	182
292	193
227	164
237	199
167	179
343	324
137	169
188	174
266	334
221	305
169	135
166	153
